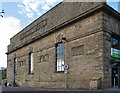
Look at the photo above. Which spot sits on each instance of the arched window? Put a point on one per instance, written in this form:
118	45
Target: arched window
60	57
31	63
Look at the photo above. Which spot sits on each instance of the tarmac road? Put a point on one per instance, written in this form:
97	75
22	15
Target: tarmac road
45	90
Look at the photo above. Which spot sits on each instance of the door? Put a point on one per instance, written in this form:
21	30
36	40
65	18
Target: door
116	75
15	69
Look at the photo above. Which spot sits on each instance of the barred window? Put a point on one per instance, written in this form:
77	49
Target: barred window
31	63
60	57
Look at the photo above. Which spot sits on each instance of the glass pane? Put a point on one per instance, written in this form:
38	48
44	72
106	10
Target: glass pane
58	68
115	43
62	53
59	63
62	61
58	51
62	68
58	55
15	65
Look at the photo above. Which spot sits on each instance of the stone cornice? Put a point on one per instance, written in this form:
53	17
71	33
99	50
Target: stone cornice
112	12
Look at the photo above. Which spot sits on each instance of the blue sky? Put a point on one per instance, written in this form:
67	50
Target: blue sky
21	10
20	14
113	5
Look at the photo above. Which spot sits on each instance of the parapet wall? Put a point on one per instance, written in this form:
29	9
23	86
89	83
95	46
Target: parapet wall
56	17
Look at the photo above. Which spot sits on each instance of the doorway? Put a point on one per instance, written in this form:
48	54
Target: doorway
15	68
116	75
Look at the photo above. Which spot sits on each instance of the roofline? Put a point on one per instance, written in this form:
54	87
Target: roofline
102	7
108	9
36	20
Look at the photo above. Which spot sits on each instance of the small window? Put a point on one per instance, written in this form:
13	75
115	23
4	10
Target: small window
114	42
31	63
15	66
60	57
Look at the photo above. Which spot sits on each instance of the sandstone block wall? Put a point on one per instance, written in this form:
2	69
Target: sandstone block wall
84	55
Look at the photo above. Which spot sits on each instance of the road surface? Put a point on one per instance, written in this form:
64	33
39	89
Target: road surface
45	90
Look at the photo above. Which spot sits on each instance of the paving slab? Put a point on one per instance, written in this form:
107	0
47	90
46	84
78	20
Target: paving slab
0	88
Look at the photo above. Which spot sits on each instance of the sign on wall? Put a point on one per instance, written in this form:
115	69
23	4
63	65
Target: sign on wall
66	67
115	53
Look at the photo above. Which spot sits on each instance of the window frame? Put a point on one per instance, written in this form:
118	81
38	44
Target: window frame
61	56
31	63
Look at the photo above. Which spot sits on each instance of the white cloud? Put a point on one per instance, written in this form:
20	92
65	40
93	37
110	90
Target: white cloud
46	7
34	5
29	7
30	15
39	13
9	26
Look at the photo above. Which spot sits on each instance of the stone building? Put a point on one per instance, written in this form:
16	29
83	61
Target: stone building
0	77
36	55
2	72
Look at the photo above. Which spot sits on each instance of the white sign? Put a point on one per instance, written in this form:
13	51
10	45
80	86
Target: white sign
115	53
65	71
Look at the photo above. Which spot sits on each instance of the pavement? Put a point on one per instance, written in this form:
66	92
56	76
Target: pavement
0	88
53	90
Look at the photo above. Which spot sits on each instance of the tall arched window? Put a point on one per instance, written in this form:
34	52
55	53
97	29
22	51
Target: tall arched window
31	63
15	66
60	57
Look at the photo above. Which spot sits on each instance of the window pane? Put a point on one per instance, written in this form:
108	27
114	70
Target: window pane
62	61
62	68
58	68
15	65
115	43
58	62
